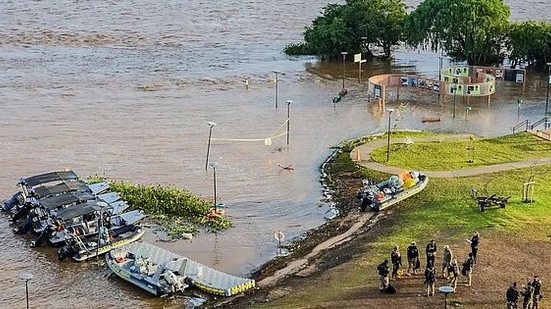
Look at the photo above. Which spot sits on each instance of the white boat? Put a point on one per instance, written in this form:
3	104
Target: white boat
159	271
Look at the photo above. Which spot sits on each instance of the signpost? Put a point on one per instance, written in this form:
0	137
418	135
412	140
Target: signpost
280	237
358	59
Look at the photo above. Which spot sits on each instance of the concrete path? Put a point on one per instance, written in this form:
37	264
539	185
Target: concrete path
366	161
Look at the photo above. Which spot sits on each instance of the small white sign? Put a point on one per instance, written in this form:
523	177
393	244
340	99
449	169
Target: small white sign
357	57
520	77
279	236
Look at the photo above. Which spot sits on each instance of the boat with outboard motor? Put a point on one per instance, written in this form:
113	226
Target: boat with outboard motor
389	192
159	271
81	248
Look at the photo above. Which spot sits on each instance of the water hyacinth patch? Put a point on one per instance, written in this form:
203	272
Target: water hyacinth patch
175	209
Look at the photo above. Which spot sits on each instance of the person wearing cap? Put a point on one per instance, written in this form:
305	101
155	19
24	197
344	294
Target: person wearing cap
536	284
413	258
383	275
475	240
396	259
512	296
447	257
430	250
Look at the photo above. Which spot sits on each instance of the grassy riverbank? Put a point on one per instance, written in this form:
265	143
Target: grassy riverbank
429	156
515	242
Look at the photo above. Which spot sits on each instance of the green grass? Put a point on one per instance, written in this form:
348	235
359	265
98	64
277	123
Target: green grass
444	211
175	209
453	154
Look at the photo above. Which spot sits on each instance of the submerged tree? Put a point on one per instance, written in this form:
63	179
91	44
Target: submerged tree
471	30
342	26
530	42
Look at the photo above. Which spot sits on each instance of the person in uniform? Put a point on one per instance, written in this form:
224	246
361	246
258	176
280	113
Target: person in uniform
475	240
430	279
413	258
396	259
467	269
536	284
383	275
512	296
528	294
447	257
454	269
430	250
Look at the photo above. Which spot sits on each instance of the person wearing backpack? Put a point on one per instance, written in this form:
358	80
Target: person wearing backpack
413	258
512	296
528	293
447	258
430	279
430	250
382	269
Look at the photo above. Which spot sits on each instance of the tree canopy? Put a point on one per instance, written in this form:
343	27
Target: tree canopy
472	30
530	42
342	26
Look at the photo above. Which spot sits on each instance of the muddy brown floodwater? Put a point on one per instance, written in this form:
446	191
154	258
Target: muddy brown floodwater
125	89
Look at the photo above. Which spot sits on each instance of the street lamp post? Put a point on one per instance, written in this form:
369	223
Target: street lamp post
440	67
26	277
343	67
454	91
214	165
390	110
288	120
211	125
276	87
547	97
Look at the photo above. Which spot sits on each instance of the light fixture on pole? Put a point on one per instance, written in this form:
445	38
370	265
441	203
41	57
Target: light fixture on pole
343	67
454	89
440	67
389	110
26	277
214	165
211	125
547	97
288	120
276	87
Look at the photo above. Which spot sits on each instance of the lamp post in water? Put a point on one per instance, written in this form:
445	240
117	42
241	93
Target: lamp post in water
389	110
214	165
211	125
343	67
26	277
547	97
288	120
276	87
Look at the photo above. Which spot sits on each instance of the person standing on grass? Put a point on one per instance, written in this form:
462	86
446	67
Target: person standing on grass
512	296
447	257
475	240
454	268
431	252
413	258
383	275
396	259
430	279
527	293
467	270
536	284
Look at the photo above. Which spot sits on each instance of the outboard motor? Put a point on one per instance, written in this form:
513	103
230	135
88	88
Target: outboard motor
16	200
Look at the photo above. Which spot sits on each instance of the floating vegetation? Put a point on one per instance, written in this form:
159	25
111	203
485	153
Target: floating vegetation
178	211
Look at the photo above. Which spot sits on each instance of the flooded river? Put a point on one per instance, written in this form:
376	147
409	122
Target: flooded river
125	89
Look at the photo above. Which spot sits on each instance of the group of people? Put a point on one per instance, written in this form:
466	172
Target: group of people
450	267
531	294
